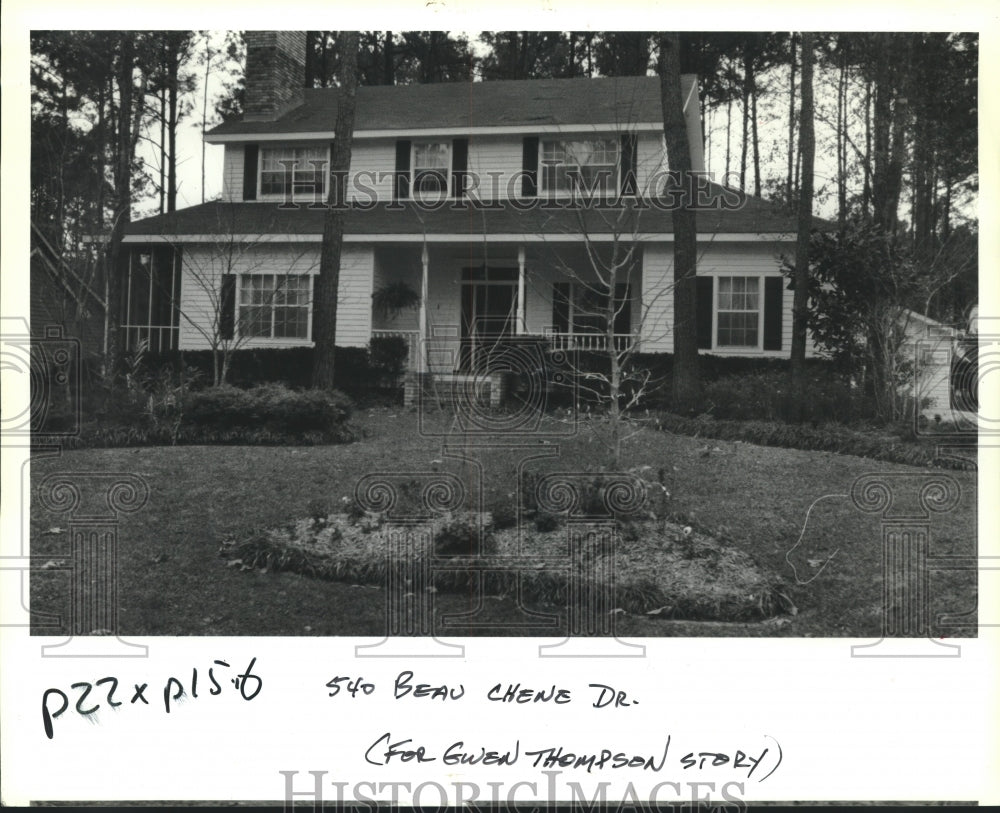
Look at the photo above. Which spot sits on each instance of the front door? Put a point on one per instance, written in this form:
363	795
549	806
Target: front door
489	310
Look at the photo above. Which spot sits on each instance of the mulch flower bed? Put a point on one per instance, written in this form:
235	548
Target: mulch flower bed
659	568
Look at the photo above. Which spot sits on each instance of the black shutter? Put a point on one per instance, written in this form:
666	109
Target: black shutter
227	307
772	313
703	311
250	172
560	307
401	189
459	165
529	163
629	165
312	308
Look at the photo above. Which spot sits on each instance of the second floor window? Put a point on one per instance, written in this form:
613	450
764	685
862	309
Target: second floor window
274	306
293	170
431	166
588	165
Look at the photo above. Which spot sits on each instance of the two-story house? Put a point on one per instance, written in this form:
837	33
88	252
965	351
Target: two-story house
468	195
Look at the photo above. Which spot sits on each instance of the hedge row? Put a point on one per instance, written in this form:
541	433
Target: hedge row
358	369
840	440
263	415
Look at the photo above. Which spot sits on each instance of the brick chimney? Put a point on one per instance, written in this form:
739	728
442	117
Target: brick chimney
275	74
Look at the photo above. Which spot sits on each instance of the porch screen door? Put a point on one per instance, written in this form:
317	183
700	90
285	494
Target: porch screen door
489	310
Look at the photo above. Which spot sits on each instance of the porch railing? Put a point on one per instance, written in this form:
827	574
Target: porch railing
590	341
158	338
556	341
412	338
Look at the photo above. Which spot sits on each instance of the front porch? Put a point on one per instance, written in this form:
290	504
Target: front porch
468	299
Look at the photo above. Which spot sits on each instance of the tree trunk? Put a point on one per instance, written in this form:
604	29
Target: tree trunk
729	128
173	91
389	60
615	376
328	280
756	140
204	112
122	175
866	191
892	66
686	385
163	150
746	131
789	184
842	145
807	146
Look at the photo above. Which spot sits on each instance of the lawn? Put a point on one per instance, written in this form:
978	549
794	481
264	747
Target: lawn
172	580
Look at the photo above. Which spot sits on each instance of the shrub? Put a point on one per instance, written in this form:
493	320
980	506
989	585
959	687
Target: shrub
291	366
545	522
271	407
838	439
764	396
461	535
505	514
387	358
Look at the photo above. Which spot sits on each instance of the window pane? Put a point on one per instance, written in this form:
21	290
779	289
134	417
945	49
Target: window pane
431	156
738	329
591	165
255	322
138	308
273	183
432	180
291	322
283	168
738	311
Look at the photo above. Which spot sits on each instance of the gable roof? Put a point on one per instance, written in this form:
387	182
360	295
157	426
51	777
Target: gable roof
753	218
467	106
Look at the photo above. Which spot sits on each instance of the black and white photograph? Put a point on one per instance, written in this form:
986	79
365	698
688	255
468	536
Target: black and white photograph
419	344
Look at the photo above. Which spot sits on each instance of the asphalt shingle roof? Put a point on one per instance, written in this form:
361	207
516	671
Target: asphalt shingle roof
755	216
468	105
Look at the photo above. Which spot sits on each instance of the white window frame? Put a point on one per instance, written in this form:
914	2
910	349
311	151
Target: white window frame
448	171
292	148
272	305
738	348
616	169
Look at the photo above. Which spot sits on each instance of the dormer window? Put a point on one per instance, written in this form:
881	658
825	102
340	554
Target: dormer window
431	168
294	171
590	166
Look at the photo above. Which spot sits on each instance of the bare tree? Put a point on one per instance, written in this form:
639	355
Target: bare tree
212	275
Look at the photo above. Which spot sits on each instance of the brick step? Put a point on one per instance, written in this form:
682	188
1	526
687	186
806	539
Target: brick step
452	388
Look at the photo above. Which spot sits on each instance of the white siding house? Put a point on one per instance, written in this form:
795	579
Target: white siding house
464	193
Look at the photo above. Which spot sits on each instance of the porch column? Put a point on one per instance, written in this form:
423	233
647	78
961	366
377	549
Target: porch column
422	339
520	326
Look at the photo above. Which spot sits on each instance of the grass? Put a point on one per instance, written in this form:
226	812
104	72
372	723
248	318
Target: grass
172	580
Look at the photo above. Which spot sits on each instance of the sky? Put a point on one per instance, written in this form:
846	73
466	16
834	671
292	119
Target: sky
189	142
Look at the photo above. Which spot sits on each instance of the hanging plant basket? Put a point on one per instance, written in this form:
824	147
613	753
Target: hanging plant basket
391	300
